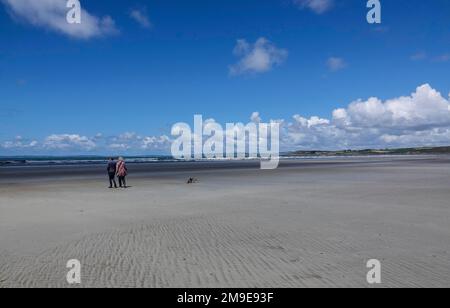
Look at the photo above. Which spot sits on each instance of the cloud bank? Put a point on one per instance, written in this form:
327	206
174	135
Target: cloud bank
77	144
51	14
419	119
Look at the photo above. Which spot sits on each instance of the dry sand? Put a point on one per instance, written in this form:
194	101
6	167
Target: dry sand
303	225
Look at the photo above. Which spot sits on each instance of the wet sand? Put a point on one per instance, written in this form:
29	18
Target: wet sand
308	224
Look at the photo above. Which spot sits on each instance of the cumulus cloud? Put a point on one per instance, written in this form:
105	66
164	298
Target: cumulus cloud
255	117
419	119
69	142
425	108
19	143
51	14
156	143
259	57
317	6
422	118
141	17
335	64
135	142
128	142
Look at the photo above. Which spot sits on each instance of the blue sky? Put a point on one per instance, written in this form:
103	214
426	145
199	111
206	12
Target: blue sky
155	63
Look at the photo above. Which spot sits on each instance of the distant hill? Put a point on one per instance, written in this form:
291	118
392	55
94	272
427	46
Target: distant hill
403	151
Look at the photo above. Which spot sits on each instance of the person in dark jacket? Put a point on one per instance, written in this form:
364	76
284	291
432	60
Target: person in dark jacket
112	167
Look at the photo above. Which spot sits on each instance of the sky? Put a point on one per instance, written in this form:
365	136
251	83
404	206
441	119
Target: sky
118	82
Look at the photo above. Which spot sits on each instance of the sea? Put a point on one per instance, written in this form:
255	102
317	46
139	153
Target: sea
75	160
6	161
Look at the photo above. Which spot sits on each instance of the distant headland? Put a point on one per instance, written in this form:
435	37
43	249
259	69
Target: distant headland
367	152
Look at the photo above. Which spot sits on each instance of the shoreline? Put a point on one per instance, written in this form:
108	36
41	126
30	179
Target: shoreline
38	161
12	174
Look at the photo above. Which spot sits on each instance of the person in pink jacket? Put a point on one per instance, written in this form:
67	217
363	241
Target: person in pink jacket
122	172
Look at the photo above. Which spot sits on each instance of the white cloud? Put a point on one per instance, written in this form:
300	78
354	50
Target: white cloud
335	64
423	118
119	146
68	142
135	142
51	14
419	119
424	108
256	58
317	6
75	143
255	117
19	143
141	17
156	143
431	137
127	136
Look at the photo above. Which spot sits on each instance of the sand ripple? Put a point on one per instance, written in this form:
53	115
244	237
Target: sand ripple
205	252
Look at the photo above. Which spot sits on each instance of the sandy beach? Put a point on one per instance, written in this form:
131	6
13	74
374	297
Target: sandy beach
310	223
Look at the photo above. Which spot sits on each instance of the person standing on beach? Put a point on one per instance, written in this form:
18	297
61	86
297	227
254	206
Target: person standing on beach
112	168
122	172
